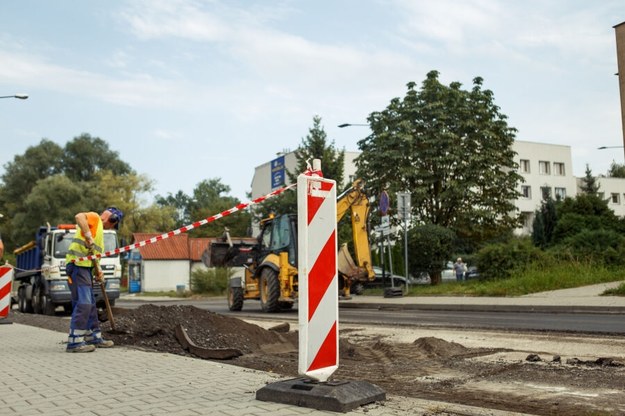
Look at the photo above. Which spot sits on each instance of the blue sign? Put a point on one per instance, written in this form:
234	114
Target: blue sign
384	203
277	173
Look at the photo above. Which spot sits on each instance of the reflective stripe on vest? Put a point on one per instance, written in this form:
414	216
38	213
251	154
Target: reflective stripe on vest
78	247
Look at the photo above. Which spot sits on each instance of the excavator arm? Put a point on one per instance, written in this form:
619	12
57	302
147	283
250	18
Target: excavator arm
355	201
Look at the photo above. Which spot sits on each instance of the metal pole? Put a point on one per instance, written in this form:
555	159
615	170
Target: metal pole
406	248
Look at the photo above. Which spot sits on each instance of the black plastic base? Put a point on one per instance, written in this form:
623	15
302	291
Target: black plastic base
393	292
5	321
335	396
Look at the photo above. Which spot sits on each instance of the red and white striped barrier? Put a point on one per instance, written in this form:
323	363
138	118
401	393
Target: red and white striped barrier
187	227
6	280
318	308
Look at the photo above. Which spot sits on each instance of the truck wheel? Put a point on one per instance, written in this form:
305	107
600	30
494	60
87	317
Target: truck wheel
36	300
22	303
47	306
235	298
269	290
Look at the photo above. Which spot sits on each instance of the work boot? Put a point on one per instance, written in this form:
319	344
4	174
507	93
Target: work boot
100	343
95	339
81	347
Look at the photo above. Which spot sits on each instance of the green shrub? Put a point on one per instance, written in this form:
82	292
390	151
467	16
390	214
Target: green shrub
210	281
504	259
599	246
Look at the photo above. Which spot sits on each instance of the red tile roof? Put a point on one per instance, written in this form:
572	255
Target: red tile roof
177	247
172	248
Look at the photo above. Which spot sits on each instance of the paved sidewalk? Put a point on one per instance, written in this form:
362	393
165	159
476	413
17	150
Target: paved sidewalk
40	378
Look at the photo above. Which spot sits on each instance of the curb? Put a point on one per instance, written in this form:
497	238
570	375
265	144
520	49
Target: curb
487	308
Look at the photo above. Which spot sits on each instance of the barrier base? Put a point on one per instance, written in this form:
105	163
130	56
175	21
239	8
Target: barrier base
393	292
4	321
335	396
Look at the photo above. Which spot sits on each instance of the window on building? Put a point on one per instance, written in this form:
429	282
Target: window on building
558	169
526	191
544	167
524	166
560	193
616	198
545	192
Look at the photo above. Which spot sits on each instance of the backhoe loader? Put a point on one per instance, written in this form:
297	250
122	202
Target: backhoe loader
271	263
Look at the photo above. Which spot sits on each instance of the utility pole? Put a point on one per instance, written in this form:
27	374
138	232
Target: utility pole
620	59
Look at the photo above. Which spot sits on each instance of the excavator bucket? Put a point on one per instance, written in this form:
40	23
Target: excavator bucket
348	267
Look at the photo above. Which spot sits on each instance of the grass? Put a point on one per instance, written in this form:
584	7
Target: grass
534	279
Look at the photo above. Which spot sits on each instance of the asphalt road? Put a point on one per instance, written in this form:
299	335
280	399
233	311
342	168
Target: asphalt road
588	323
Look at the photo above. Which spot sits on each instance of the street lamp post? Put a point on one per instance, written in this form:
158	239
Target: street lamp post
18	96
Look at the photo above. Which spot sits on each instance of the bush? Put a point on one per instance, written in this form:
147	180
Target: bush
599	246
210	281
503	259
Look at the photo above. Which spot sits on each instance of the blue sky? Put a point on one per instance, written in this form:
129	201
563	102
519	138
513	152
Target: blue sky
189	90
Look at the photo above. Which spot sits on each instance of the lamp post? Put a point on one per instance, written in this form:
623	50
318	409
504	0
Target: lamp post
18	96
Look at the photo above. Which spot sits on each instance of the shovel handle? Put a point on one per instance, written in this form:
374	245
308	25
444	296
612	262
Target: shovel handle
109	311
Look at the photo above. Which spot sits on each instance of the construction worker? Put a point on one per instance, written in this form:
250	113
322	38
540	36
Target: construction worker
84	329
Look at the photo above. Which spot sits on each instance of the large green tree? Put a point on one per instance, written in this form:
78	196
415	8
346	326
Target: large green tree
50	183
452	149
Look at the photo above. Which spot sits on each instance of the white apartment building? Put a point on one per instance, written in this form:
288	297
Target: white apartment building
547	170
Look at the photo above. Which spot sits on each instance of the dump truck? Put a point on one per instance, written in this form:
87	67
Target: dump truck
270	263
40	282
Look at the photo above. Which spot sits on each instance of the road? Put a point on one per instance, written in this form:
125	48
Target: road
588	323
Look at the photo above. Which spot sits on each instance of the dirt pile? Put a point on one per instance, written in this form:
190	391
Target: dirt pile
154	327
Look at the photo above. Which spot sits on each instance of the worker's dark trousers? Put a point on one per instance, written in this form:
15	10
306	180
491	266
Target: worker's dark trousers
84	312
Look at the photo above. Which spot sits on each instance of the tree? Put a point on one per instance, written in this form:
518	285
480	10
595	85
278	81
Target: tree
47	182
209	198
314	146
616	170
589	183
452	149
84	156
545	221
431	247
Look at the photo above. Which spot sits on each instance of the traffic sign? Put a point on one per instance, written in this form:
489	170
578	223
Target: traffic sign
385	203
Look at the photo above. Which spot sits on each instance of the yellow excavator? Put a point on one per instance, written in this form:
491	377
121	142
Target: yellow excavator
270	264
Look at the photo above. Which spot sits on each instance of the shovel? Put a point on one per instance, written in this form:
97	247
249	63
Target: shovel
109	311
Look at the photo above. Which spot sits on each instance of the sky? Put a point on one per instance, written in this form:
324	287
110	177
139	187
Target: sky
188	90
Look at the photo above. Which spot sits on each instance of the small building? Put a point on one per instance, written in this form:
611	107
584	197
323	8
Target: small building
168	264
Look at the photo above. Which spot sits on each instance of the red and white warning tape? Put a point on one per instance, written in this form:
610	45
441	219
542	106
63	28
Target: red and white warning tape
188	227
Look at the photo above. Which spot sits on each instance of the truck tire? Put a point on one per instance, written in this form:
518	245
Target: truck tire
47	306
235	298
269	290
23	304
38	293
